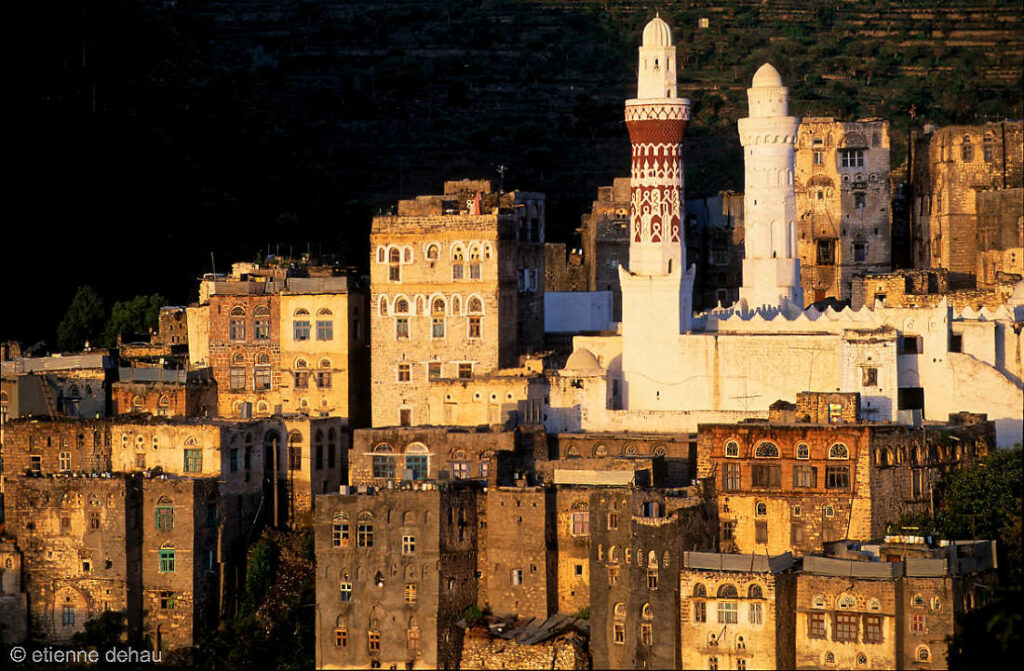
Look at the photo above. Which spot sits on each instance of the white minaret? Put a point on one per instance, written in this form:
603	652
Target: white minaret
657	288
771	267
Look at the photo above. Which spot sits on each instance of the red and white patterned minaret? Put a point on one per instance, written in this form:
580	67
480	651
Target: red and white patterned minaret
656	120
657	288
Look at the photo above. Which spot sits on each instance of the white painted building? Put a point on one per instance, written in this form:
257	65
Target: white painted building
666	370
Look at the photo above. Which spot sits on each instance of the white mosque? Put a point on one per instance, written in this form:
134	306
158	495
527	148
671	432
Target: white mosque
666	369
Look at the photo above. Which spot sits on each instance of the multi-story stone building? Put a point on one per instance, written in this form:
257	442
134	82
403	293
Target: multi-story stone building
324	348
887	614
1000	236
843	203
518	552
818	473
736	611
457	291
285	345
151	516
164	551
639	537
394	575
950	169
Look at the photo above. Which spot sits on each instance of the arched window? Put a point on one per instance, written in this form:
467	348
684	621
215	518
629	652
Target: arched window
381	255
613	554
619	611
732	449
760	508
830	657
700	591
755	592
394	265
456	305
262	373
766	450
401	306
728	591
433	251
382	307
163	406
437	306
838	451
236	323
803	451
846	602
323	374
646	612
924	654
407	255
137	403
475	306
237	359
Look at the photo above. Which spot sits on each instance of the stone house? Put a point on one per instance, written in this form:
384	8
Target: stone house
736	611
285	345
852	613
844	219
637	545
394	575
793	483
457	291
950	169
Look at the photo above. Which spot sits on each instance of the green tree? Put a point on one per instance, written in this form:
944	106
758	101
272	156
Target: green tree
135	316
83	320
102	632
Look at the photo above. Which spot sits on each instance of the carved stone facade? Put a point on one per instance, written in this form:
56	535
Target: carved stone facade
843	204
457	291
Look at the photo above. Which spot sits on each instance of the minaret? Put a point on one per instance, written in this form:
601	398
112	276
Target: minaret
771	267
657	288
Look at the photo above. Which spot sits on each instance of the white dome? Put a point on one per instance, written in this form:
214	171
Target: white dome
657	33
582	360
767	76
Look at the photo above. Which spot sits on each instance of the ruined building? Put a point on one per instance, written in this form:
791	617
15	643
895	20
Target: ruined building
842	201
457	292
